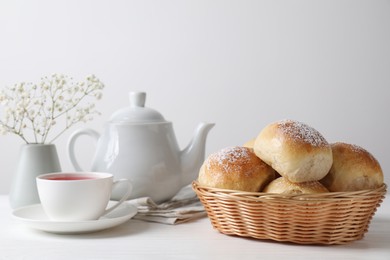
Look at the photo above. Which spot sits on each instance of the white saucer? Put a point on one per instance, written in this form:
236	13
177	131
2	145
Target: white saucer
34	217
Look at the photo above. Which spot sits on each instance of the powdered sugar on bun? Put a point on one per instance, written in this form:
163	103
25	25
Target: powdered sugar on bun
236	168
300	132
295	150
354	168
229	158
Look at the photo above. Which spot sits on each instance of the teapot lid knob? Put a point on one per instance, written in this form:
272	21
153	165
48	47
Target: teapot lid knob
137	99
136	113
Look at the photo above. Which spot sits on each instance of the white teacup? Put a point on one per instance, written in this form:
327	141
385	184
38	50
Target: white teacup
78	196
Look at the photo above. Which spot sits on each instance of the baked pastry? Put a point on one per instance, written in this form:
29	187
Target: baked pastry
235	168
354	168
250	143
284	186
295	150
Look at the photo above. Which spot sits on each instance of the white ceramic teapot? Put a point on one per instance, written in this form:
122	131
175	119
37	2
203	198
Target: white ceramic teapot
139	144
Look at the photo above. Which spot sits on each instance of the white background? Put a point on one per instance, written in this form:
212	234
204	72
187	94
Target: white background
241	64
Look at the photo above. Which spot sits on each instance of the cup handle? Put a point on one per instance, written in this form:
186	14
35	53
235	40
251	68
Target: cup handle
125	196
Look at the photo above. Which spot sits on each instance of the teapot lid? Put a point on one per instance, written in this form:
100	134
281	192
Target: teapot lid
137	112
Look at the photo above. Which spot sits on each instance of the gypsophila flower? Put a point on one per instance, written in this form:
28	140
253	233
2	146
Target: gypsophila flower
31	111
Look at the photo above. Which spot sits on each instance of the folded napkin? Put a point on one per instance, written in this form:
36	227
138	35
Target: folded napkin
183	207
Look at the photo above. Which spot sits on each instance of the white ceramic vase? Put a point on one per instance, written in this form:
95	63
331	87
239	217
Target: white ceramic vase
34	159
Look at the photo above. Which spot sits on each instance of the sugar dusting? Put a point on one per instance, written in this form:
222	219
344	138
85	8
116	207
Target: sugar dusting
359	151
227	157
353	148
300	131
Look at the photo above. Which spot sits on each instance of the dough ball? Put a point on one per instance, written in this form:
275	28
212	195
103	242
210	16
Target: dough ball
235	168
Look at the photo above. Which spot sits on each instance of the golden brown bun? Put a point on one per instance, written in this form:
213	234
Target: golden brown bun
284	186
295	150
250	143
235	168
353	169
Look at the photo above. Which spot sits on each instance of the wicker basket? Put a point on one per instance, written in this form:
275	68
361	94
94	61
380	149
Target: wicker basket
327	218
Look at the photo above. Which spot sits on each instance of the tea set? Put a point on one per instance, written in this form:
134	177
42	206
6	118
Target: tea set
137	155
139	144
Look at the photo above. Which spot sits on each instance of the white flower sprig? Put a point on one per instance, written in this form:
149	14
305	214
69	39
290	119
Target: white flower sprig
35	109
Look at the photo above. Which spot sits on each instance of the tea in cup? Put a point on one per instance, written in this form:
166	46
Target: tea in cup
78	196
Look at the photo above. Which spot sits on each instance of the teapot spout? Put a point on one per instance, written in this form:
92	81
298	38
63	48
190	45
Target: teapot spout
193	155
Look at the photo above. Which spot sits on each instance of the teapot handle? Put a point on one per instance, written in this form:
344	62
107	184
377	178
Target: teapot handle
72	141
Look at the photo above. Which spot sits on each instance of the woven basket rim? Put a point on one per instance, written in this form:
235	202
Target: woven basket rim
347	195
323	218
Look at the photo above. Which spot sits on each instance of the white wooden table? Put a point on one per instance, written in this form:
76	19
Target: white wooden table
195	240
